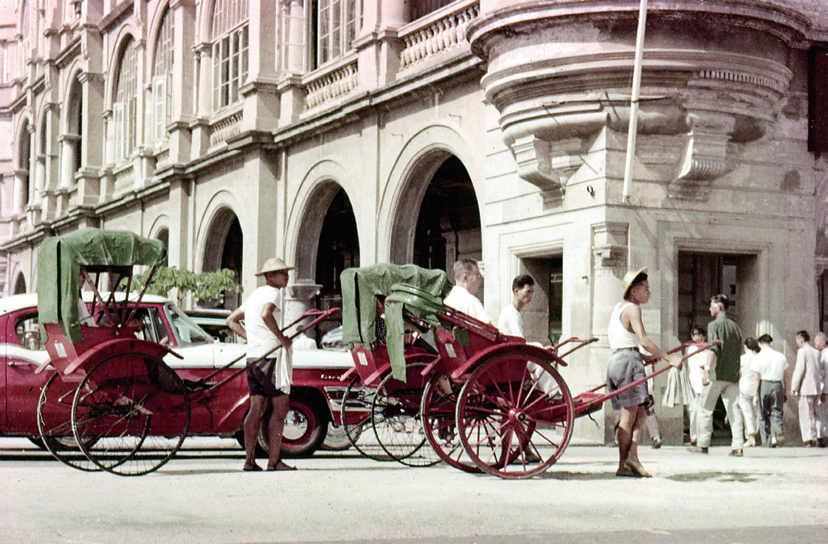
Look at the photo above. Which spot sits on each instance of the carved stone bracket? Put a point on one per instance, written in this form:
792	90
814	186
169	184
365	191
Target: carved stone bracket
549	165
704	158
609	245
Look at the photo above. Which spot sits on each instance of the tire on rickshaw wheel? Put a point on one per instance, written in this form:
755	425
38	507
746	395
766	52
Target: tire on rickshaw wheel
138	410
515	421
395	417
54	421
438	411
355	414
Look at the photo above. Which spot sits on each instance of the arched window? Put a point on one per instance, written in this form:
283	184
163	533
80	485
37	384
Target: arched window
337	24
125	108
162	79
230	43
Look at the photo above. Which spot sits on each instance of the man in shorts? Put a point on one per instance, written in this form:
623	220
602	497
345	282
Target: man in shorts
269	372
626	335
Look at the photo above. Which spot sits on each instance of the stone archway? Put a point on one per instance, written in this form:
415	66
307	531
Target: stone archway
20	285
446	225
329	244
223	249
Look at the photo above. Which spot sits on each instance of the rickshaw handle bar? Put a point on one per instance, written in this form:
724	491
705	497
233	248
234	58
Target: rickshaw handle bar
320	316
652	360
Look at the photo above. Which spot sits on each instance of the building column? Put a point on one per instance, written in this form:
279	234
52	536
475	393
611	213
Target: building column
301	296
378	46
295	44
259	92
201	125
91	149
184	72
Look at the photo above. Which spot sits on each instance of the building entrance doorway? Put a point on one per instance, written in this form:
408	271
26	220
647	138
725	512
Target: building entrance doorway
700	277
543	317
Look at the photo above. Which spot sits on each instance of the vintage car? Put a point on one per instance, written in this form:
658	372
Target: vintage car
314	399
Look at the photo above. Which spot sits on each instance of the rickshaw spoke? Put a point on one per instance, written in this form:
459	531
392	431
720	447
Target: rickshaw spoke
397	421
140	419
504	431
54	422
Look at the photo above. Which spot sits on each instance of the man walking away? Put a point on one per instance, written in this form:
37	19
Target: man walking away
769	388
821	343
807	383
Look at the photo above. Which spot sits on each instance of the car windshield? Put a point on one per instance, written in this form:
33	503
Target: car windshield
187	331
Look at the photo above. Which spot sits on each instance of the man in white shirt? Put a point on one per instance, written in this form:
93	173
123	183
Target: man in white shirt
467	281
268	378
510	321
821	343
769	388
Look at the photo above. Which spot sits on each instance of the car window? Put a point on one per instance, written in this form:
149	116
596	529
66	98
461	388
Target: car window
28	333
187	331
152	326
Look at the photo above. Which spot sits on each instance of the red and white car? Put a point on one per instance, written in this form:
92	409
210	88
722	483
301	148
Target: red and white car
314	398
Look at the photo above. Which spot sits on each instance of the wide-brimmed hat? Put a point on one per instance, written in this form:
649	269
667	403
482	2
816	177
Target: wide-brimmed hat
629	279
273	264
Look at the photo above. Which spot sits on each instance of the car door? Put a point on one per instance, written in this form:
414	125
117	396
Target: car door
24	353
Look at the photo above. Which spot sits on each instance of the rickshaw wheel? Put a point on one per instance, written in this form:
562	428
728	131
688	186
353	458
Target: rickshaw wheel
395	416
515	414
304	430
54	421
355	415
137	409
438	412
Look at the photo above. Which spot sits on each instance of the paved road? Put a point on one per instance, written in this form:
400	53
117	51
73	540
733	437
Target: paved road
778	495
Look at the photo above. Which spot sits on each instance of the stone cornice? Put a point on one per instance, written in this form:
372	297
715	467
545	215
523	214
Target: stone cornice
116	15
68	53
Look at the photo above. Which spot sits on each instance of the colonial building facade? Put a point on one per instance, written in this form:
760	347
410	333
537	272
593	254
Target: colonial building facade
338	133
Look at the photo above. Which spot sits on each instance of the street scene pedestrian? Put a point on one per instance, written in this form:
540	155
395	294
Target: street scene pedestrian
821	343
269	373
720	378
751	348
626	335
769	388
694	365
808	384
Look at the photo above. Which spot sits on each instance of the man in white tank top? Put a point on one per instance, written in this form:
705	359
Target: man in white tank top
626	334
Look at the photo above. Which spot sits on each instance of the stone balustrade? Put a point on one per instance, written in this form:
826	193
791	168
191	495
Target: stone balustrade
437	33
326	85
226	127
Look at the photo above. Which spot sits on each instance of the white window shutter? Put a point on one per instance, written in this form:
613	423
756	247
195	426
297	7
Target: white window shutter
159	97
118	129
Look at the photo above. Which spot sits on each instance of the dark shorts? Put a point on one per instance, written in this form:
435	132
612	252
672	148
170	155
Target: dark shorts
260	377
625	367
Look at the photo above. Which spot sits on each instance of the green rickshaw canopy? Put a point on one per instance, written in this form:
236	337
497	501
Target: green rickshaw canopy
59	260
360	289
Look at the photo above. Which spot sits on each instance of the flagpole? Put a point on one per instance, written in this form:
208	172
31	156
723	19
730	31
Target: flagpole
636	92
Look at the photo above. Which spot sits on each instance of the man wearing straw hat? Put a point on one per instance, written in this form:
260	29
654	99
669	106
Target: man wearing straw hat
269	369
626	335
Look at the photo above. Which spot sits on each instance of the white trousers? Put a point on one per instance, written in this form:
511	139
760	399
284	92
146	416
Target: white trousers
808	417
729	391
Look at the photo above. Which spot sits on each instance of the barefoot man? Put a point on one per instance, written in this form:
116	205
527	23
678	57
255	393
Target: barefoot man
269	378
626	334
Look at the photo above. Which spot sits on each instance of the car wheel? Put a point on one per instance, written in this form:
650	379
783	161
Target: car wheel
305	429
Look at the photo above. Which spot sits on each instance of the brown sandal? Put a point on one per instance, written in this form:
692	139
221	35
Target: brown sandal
279	466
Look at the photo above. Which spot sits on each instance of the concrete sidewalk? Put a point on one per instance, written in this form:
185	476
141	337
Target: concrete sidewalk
770	493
